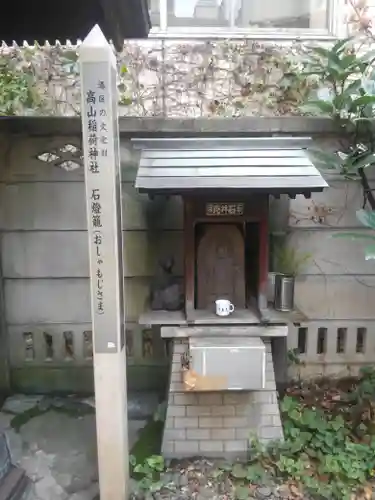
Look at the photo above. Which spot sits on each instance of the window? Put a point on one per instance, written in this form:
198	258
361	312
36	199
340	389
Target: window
262	17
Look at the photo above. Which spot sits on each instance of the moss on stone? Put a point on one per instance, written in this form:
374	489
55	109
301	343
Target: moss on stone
71	409
148	443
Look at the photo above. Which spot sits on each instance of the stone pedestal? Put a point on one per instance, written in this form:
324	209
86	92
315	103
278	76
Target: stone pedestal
218	424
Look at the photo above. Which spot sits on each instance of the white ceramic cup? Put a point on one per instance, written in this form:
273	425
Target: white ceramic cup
224	307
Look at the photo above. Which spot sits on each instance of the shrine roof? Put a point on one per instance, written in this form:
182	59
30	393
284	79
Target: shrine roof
268	164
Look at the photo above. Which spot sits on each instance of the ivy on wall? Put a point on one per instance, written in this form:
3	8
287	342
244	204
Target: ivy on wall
193	79
18	90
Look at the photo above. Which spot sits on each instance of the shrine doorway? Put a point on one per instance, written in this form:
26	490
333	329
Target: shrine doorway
220	269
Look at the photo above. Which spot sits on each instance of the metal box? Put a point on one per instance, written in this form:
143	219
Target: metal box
239	361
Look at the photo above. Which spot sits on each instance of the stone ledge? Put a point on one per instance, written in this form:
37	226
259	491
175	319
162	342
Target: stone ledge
134	126
204	332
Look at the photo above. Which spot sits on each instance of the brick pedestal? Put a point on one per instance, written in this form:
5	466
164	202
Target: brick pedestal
218	424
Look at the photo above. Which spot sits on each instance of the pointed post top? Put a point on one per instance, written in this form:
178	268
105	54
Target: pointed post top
95	48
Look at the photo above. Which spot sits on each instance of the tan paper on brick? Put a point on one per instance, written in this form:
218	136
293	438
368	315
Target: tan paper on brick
194	382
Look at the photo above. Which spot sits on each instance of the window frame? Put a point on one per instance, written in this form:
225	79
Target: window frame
336	28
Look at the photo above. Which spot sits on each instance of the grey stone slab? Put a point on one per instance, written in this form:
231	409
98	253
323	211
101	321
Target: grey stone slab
58	452
51	206
65	300
20	403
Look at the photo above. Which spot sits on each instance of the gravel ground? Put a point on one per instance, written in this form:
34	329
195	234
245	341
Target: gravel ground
196	480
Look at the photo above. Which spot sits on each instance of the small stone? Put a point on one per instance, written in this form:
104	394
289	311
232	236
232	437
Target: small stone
48	488
263	492
5	420
283	491
90	494
75	485
20	403
183	480
205	494
45	404
90	401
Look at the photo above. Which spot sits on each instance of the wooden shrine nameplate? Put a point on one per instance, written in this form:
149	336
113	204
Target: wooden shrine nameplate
225	208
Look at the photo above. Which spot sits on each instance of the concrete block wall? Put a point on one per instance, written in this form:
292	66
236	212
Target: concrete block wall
45	268
44	259
336	289
218	424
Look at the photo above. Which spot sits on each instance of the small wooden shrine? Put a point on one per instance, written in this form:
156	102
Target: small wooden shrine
222	376
225	184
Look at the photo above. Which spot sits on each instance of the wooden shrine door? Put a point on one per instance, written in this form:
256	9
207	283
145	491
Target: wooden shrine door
221	266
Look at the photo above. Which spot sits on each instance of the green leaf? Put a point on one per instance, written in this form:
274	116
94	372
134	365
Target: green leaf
338	423
226	467
321	105
364	161
239	104
156	462
70	55
370	252
339	46
353	87
362	101
123	70
126	101
329	159
145	483
329	54
368	58
255	473
217	473
139	469
242	493
122	87
239	471
157	486
366	217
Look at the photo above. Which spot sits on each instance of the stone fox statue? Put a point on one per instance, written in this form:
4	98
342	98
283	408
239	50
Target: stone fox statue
166	289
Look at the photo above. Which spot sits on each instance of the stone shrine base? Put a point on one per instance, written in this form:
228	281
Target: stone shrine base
218	424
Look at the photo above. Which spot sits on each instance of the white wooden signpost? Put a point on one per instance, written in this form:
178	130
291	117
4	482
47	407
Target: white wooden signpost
103	201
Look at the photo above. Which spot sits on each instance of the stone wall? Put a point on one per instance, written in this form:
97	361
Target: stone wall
336	290
168	77
45	274
44	258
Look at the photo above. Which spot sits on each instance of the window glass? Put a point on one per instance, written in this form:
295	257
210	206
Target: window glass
294	14
251	14
199	13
